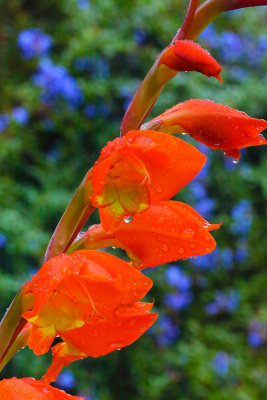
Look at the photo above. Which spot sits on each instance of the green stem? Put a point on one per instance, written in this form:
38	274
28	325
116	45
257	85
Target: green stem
72	221
12	322
20	342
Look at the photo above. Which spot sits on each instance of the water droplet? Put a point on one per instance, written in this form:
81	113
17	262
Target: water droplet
181	250
261	135
128	219
159	189
184	133
164	247
161	219
113	247
188	234
192	245
235	161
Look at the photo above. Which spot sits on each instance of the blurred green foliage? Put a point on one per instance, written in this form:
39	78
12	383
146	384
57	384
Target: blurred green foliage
43	161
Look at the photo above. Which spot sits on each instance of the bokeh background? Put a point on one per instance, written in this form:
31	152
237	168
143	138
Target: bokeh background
68	70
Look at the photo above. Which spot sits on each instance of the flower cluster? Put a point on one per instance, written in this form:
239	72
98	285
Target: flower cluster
90	300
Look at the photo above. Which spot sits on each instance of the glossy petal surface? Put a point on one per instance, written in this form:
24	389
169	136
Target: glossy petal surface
217	126
185	55
140	168
85	289
31	389
166	232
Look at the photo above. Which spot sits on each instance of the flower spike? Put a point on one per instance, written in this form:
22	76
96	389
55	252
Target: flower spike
29	388
185	55
139	169
215	125
166	232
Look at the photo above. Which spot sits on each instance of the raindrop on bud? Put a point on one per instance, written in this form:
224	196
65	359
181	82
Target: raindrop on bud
127	220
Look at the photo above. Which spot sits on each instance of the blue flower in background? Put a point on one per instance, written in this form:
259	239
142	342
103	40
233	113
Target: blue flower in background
224	302
56	82
198	190
66	380
4	122
232	46
3	240
257	333
139	36
241	253
20	115
83	4
220	363
90	111
176	277
209	37
227	258
242	218
33	42
178	301
167	332
205	207
207	261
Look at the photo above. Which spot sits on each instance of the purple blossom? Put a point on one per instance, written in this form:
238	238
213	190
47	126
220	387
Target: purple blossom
220	363
224	302
242	218
90	111
257	333
178	301
207	261
205	207
167	332
176	277
57	83
227	258
231	47
66	380
33	42
20	115
83	4
139	36
3	240
198	190
4	122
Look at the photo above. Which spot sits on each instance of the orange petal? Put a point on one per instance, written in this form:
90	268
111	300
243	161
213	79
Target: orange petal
29	388
63	355
166	232
185	55
215	125
123	328
171	162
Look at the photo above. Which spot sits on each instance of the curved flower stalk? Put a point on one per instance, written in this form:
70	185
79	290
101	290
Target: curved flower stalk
139	169
31	389
179	56
89	299
166	232
215	125
211	9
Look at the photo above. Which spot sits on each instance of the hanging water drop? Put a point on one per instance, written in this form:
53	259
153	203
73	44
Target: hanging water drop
128	219
113	247
235	161
184	133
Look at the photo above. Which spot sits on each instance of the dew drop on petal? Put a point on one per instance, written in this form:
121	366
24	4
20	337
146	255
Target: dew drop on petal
159	189
188	233
113	247
164	247
235	161
184	133
181	250
128	219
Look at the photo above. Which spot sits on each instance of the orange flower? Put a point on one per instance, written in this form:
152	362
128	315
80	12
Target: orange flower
89	299
140	168
31	389
185	55
217	126
166	232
